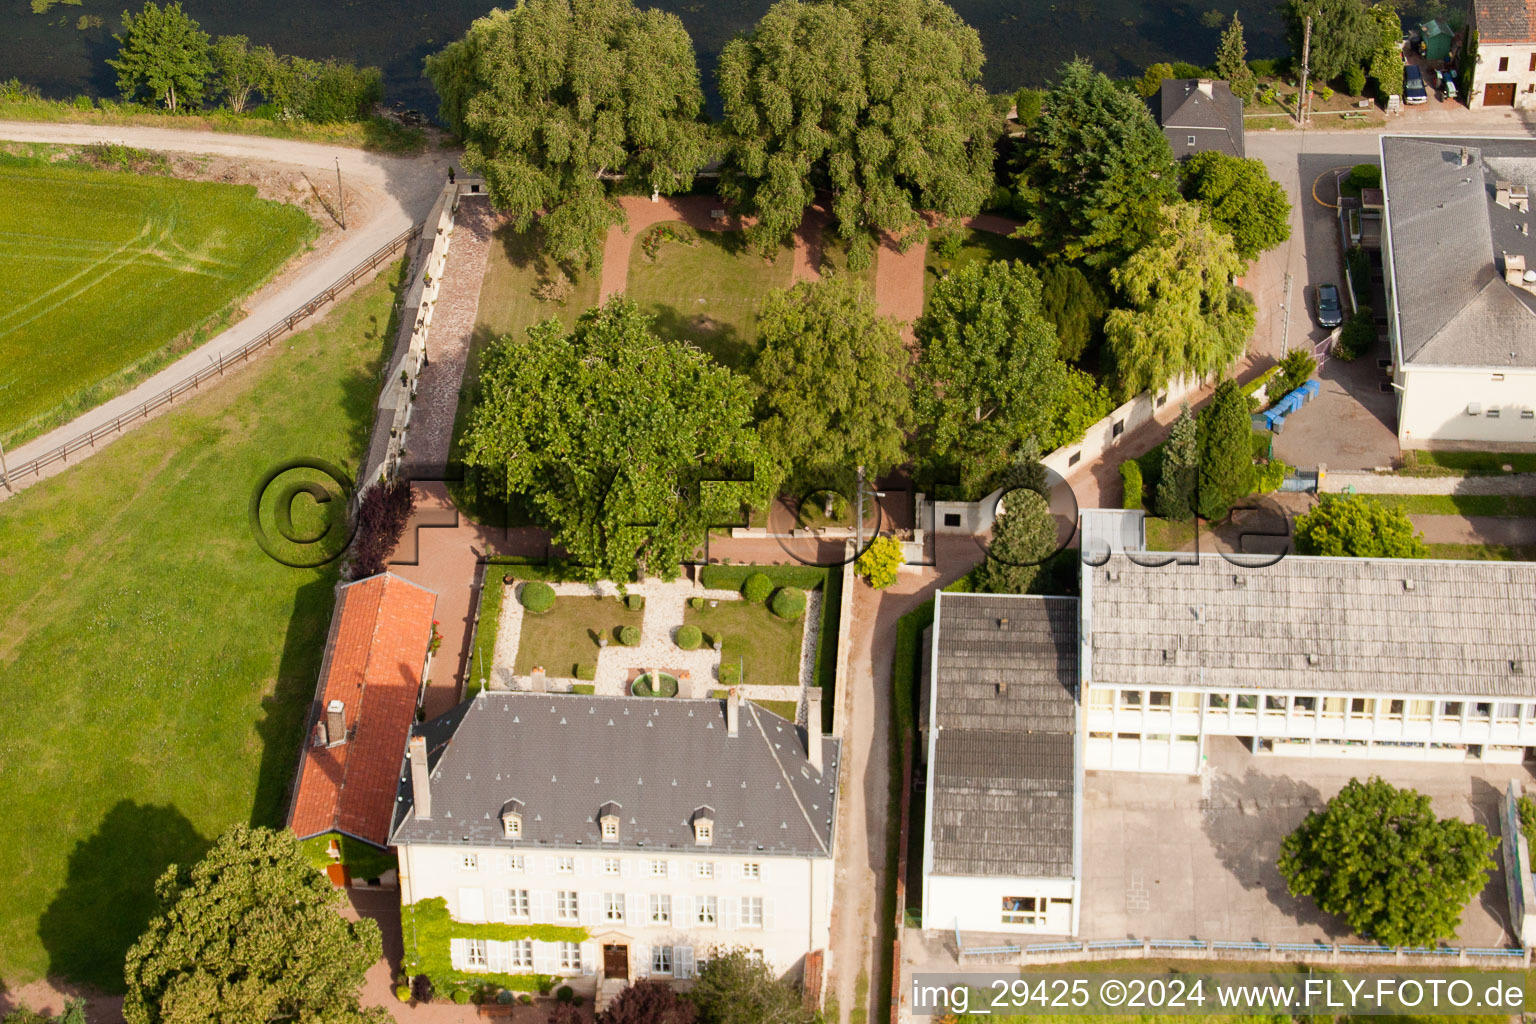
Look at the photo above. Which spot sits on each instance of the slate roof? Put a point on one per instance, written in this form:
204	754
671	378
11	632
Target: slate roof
1505	21
1317	624
565	756
377	648
1002	777
1182	106
1449	237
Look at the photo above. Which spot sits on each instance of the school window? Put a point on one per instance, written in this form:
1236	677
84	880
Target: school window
565	865
708	906
520	953
752	871
661	959
1130	700
517	902
471	862
1450	709
1247	702
474	953
751	911
1362	707
1101	699
705	869
661	908
1186	701
610	830
1493	414
1533	63
1160	700
1482	710
1273	703
1189	140
1023	910
611	866
1304	705
1216	701
565	905
570	956
658	869
613	907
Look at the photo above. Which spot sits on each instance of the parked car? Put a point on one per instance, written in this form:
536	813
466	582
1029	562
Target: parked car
1329	313
1414	92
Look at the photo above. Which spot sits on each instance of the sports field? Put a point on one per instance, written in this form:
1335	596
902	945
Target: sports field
104	271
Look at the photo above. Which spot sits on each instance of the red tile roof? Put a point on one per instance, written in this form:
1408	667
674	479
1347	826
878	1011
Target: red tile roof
373	662
1505	21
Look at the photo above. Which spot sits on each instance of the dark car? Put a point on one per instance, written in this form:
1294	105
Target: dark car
1413	85
1329	313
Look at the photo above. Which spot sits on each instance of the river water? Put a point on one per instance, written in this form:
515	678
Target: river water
62	50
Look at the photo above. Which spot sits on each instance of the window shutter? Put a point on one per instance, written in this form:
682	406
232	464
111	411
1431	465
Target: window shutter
691	909
586	903
472	905
543	906
496	956
727	910
672	868
458	952
588	957
546	957
682	961
634	906
642	961
767	912
549	865
736	874
624	868
499	905
579	862
762	872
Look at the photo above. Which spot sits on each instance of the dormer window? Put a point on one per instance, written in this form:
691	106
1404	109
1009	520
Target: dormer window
608	821
704	826
512	819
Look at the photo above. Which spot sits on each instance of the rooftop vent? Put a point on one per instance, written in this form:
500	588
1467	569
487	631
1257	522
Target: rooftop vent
1002	687
1002	623
1239	581
1409	584
1313	659
1516	666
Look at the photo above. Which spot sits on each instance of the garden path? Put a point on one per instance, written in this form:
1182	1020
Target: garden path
695	211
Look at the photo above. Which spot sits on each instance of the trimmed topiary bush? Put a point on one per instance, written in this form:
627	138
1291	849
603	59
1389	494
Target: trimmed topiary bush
403	993
537	597
1130	474
586	670
788	603
525	999
696	603
461	996
689	638
505	997
634	602
757	587
629	636
565	993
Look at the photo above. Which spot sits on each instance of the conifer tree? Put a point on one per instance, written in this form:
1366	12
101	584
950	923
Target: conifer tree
1226	451
1176	488
1232	61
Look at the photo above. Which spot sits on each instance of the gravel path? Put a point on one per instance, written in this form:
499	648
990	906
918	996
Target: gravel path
1384	483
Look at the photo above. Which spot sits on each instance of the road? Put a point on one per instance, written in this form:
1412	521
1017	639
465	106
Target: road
397	191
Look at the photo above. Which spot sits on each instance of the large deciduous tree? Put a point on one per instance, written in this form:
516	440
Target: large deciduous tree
1185	315
1241	197
834	390
1358	526
736	987
614	436
251	933
553	95
1378	857
876	100
1096	170
239	70
164	54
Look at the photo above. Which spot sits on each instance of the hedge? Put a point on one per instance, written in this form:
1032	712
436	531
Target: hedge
731	577
427	928
756	588
634	602
689	637
537	596
788	603
1130	473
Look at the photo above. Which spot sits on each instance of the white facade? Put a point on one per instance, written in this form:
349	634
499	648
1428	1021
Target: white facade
647	914
1468	404
1164	729
1502	66
1042	906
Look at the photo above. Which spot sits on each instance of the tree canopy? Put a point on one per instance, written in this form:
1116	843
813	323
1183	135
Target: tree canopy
1358	526
1344	35
833	388
1185	315
990	373
736	987
1180	469
251	933
1241	197
1378	857
615	437
163	53
1232	61
552	95
648	1001
1223	433
1023	538
1096	171
878	101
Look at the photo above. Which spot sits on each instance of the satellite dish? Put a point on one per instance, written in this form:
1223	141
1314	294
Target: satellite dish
1529	277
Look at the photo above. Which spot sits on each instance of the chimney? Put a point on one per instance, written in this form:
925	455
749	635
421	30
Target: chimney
421	785
536	679
813	727
1465	157
732	713
335	723
1205	85
685	685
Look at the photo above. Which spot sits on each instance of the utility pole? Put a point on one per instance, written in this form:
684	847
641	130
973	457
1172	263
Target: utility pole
341	198
858	517
1306	51
5	474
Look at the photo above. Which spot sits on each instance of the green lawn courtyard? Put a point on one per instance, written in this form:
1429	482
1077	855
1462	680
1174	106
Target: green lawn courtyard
764	646
977	247
156	664
706	289
566	636
108	276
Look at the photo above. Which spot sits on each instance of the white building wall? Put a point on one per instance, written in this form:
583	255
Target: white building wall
974	904
782	909
1519	61
1482	405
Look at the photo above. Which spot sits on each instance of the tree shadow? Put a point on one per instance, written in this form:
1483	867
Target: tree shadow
721	340
108	896
1484	800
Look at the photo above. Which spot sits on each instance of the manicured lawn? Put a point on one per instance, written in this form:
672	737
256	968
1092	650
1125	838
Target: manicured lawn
1460	504
566	635
1427	463
1169	534
489	626
978	247
156	664
765	646
707	292
1483	552
109	276
785	709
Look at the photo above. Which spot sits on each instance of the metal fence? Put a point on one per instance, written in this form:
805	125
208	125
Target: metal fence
216	367
1214	949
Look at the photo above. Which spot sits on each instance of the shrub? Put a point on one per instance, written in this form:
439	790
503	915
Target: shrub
324	92
1293	371
1365	176
1265	68
461	996
696	603
1354	80
1182	69
555	289
880	561
730	674
1269	97
1152	79
538	597
788	603
583	689
629	636
1358	526
1271	475
945	240
634	602
403	993
731	577
1358	336
689	638
525	999
565	993
1130	473
504	997
586	670
757	587
382	516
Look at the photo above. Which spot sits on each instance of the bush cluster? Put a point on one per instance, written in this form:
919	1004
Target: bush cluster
689	637
1130	473
629	636
788	603
634	602
538	597
1358	336
757	587
381	519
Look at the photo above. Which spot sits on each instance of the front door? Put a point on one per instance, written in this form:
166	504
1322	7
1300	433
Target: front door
1499	94
616	961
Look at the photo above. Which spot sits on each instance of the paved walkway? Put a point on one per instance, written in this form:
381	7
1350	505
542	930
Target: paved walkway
642	213
400	190
899	282
1500	531
1385	483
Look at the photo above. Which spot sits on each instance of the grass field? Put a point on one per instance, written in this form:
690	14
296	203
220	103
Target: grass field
978	247
765	646
109	275
567	634
708	291
156	664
